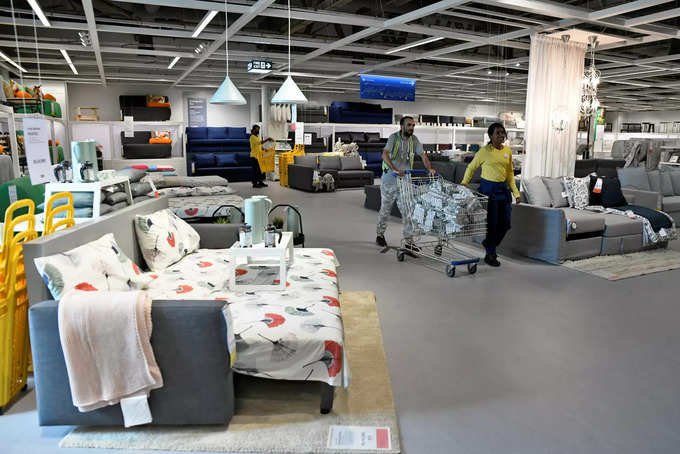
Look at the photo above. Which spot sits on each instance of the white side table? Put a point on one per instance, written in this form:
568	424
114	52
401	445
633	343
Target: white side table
282	255
95	188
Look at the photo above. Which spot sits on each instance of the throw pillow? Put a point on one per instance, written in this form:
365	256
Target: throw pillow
305	161
557	193
577	191
140	188
634	178
115	197
226	160
537	193
666	183
654	180
675	180
351	163
96	266
164	238
134	175
609	195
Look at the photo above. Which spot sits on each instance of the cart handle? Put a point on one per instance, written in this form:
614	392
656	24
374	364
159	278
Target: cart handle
413	172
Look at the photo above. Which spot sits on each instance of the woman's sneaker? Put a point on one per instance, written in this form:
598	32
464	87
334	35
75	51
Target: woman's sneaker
491	260
380	241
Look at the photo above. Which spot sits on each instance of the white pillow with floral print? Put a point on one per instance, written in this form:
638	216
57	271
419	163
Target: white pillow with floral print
96	266
164	238
577	191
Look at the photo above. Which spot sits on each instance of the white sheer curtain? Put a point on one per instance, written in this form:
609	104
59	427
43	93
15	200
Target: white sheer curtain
553	93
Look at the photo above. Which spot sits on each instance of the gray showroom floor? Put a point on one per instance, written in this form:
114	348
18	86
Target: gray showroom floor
528	358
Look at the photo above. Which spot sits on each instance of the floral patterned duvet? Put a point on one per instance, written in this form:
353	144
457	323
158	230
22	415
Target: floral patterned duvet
204	206
295	334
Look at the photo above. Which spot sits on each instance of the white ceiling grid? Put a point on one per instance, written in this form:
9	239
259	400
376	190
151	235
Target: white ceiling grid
483	56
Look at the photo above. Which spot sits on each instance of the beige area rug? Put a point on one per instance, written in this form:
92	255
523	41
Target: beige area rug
617	267
282	417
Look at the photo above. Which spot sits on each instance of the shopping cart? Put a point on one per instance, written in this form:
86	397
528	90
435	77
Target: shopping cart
438	213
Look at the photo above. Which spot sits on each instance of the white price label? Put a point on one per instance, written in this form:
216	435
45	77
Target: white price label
12	190
356	437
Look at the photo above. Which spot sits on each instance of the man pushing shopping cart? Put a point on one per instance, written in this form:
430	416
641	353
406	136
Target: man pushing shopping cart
398	156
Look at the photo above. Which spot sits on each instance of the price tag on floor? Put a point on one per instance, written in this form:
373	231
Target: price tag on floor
356	437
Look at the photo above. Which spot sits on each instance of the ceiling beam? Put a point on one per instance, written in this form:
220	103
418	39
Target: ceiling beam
663	15
94	37
241	22
624	8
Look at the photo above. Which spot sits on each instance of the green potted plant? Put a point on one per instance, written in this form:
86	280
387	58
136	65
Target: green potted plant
278	223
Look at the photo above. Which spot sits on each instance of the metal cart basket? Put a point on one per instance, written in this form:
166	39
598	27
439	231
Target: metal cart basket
439	212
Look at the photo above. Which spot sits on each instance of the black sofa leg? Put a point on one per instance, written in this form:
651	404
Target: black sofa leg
327	395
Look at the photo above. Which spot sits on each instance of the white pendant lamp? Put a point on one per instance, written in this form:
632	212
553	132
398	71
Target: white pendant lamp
227	93
289	92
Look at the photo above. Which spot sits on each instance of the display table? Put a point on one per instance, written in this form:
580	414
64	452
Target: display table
282	256
95	188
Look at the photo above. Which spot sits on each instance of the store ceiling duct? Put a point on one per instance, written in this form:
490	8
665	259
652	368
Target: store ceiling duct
289	93
227	93
383	87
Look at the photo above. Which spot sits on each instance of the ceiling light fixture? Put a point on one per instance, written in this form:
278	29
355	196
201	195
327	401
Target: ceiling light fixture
200	49
85	39
204	23
289	93
421	42
68	60
172	63
11	62
227	93
517	65
489	72
39	12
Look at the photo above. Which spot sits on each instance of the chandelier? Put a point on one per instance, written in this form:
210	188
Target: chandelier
591	79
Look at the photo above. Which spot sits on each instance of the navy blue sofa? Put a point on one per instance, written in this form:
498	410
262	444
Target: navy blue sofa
219	151
359	112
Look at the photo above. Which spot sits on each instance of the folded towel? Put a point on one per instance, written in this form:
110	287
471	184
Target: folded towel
105	337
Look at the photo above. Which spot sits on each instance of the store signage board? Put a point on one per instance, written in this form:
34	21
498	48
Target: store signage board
260	66
129	126
299	133
382	87
36	137
359	438
197	110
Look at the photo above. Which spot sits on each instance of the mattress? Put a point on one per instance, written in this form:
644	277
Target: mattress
296	334
205	206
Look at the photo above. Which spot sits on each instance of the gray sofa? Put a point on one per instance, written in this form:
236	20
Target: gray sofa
660	189
346	172
189	337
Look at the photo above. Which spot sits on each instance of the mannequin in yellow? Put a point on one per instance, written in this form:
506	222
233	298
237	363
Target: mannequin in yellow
498	181
255	149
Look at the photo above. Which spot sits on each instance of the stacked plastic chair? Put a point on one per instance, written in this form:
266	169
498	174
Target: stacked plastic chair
52	210
14	348
288	158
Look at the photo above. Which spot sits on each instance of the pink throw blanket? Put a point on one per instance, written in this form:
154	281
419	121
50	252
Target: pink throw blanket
105	337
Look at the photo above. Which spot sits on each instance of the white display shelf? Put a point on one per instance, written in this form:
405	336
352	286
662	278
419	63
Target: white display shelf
117	122
95	188
37	115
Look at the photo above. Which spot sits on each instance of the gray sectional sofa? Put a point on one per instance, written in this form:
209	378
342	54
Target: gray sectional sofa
189	337
660	189
347	172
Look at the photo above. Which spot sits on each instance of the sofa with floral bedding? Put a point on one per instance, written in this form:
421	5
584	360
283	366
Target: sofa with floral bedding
573	218
296	334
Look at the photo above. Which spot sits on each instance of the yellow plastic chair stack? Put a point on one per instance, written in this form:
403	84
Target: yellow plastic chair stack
51	211
14	347
288	158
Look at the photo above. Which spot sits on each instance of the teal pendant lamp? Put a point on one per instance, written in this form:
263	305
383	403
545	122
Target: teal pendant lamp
289	92
227	93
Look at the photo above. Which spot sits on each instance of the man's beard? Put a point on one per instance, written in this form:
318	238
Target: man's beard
407	133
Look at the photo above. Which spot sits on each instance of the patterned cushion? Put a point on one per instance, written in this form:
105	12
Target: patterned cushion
577	191
96	266
164	238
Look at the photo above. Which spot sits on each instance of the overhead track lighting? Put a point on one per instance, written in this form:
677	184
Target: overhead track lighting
172	63
227	93
289	92
39	12
85	39
422	42
11	62
204	23
68	60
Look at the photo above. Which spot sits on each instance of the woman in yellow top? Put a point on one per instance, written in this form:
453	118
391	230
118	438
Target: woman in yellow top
498	180
255	150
